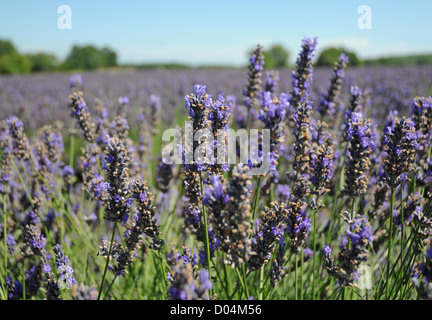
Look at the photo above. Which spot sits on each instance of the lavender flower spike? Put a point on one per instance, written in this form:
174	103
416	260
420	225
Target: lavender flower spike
253	88
272	115
355	106
353	250
361	143
66	279
268	234
20	142
79	111
329	103
302	76
399	145
117	206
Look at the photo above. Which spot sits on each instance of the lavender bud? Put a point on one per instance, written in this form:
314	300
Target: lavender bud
164	175
253	87
271	81
353	250
146	211
360	137
422	118
277	271
117	206
399	146
20	143
330	102
235	240
6	164
66	278
267	235
79	111
302	76
354	106
423	281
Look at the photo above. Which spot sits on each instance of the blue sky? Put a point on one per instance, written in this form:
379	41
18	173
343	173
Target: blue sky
216	32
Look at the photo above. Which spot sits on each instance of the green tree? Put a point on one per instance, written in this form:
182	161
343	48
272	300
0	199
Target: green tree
42	62
328	56
14	63
110	57
6	47
89	58
276	57
11	62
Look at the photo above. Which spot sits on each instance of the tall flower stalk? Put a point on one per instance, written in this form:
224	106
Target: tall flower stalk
330	101
399	145
79	110
253	88
118	200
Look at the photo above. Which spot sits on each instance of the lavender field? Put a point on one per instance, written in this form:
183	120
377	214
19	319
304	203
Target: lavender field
91	210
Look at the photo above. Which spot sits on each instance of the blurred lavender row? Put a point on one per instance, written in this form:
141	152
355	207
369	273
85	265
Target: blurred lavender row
40	99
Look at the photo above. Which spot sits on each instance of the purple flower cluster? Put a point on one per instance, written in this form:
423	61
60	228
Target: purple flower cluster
229	215
321	171
421	115
186	282
360	134
253	88
34	239
218	115
164	175
272	114
399	145
6	163
330	101
271	81
423	278
20	143
353	250
354	106
65	270
79	111
116	162
144	223
302	77
267	235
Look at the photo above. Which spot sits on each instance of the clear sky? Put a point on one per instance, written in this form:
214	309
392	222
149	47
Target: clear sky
216	32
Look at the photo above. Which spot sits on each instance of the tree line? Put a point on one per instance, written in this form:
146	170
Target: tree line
89	57
79	58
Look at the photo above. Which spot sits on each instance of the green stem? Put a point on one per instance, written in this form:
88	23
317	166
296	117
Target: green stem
5	231
352	218
261	282
390	249
164	272
206	235
301	274
295	278
108	260
245	281
402	226
335	202
23	279
314	251
241	280
240	284
72	150
256	196
227	281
